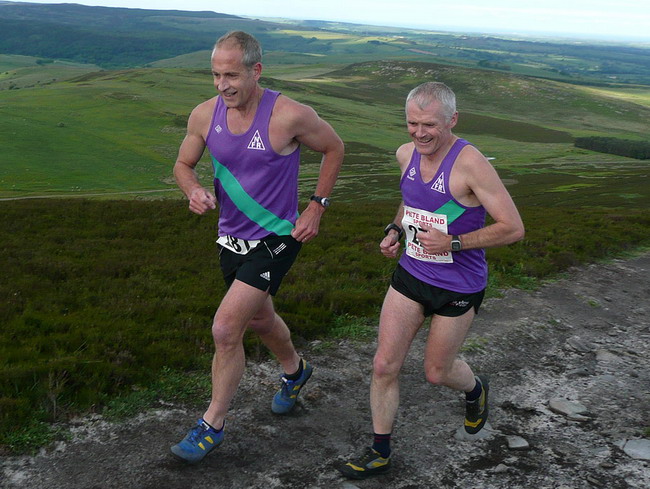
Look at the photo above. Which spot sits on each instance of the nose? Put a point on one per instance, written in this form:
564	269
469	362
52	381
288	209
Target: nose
419	131
221	84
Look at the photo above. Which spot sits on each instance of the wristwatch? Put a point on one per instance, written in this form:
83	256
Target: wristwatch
456	245
324	201
391	226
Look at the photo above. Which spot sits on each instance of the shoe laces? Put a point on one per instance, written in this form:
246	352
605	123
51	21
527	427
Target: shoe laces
198	432
286	385
370	455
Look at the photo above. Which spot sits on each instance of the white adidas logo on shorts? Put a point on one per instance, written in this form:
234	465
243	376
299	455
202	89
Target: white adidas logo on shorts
266	276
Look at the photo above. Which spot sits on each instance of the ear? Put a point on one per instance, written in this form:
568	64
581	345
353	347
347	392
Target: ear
257	71
453	121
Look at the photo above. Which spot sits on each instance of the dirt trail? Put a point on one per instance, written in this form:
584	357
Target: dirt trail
583	338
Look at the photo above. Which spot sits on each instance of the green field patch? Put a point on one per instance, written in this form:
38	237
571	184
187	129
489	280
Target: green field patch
320	35
13	61
31	72
518	131
572	187
637	95
558	186
631	196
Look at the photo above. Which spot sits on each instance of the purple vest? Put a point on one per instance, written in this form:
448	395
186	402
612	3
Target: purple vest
257	188
468	271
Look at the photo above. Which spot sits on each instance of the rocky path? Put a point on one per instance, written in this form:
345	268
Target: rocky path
570	397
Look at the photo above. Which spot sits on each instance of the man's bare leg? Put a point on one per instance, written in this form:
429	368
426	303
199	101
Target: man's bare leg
239	306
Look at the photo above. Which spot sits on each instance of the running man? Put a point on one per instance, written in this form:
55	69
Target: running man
447	187
254	137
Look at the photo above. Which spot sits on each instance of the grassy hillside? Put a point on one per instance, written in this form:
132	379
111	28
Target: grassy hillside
18	72
99	299
118	131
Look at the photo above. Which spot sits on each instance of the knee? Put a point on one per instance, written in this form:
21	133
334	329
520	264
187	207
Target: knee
383	367
224	336
436	374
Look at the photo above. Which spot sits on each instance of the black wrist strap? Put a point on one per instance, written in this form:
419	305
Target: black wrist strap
393	226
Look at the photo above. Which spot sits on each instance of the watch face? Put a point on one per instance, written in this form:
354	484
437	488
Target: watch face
324	201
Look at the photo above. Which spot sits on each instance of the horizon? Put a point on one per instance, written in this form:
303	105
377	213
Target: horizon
577	20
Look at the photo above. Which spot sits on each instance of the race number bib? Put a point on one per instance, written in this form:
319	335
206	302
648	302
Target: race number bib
411	223
237	245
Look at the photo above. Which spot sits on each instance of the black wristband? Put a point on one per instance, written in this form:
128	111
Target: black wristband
393	226
324	201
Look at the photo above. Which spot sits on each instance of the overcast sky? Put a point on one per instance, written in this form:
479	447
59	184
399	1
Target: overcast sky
601	19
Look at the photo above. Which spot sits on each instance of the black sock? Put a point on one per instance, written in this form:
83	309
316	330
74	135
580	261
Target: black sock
382	444
217	430
475	393
298	373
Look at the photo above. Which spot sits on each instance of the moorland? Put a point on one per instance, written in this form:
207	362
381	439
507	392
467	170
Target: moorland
108	283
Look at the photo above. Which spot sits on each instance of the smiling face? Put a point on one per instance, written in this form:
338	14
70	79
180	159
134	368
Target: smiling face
428	126
235	82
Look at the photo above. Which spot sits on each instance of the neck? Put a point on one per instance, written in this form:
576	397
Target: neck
250	107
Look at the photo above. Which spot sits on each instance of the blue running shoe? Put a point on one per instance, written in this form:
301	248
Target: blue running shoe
200	441
285	399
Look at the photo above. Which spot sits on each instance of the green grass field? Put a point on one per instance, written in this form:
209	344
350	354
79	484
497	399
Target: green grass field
118	131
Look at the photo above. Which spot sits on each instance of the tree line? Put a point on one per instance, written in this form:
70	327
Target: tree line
615	146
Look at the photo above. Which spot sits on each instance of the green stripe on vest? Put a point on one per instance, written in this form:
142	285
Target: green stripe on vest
452	210
248	205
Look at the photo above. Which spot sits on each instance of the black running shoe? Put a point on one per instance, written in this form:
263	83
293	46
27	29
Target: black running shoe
476	412
371	463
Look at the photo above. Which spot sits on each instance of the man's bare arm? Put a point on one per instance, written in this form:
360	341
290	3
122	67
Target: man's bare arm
483	181
318	135
189	154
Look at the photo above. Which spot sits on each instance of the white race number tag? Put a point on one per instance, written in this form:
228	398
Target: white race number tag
411	223
237	245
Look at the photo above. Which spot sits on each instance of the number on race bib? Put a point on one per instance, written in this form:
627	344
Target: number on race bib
238	245
415	230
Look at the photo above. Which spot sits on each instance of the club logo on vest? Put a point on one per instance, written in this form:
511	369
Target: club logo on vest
439	184
218	129
412	173
256	142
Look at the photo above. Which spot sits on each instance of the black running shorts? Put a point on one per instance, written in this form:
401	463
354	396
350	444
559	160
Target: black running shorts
435	300
264	266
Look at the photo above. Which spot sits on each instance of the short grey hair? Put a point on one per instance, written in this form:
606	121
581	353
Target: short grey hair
429	92
251	48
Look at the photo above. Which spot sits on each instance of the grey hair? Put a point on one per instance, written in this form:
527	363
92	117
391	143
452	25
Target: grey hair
248	44
429	92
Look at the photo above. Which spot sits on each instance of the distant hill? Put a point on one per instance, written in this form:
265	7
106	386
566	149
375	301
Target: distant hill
109	37
121	37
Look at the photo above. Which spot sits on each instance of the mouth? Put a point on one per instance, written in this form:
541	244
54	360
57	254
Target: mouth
422	140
